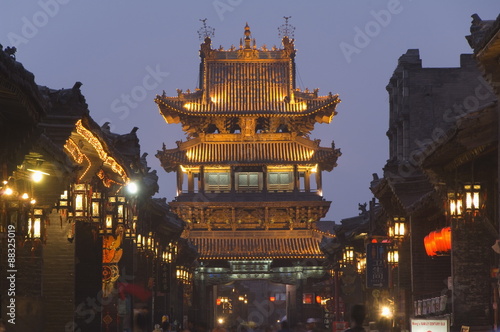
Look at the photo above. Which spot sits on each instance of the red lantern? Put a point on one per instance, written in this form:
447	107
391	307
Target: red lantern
428	248
446	232
438	242
432	237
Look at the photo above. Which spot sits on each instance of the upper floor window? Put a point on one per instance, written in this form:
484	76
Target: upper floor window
217	181
249	181
280	181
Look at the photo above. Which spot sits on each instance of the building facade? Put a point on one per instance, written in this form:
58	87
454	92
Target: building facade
77	221
441	177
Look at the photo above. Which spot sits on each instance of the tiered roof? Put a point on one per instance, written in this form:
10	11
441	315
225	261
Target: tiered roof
250	92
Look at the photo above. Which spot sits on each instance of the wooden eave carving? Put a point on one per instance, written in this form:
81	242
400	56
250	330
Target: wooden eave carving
251	215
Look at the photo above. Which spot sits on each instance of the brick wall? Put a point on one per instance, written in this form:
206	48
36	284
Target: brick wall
425	102
471	276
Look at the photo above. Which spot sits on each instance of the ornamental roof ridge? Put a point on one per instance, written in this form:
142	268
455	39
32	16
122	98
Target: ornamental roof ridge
248	49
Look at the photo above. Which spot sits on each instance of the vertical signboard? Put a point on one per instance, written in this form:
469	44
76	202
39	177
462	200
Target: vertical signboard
377	267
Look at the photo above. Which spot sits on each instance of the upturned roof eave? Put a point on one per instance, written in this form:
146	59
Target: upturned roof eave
170	104
172	158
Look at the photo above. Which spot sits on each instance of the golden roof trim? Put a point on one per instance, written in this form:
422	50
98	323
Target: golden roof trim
105	157
206	152
323	103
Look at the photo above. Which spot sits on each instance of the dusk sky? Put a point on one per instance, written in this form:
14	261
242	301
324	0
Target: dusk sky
126	52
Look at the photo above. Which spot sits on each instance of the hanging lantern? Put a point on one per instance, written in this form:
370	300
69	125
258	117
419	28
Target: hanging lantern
96	207
455	204
397	228
361	263
63	203
348	255
138	242
446	235
432	242
121	210
429	246
184	275
169	252
393	255
35	224
81	199
108	224
116	214
472	201
149	240
468	201
438	242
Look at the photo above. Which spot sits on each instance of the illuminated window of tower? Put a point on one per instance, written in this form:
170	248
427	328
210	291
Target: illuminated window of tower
280	181
249	181
217	181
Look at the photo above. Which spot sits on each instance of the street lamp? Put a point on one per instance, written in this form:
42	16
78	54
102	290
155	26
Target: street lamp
393	256
397	228
80	199
466	201
361	262
472	201
348	255
132	188
35	224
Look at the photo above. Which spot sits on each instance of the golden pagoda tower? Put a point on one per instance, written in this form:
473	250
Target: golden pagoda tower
248	176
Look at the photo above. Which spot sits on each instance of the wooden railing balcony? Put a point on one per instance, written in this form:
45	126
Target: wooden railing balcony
253	196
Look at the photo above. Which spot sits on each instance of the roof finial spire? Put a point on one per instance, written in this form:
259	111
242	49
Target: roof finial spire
205	31
286	30
247	34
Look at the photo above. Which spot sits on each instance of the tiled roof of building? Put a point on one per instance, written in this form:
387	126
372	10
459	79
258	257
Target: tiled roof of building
248	81
237	245
246	100
199	152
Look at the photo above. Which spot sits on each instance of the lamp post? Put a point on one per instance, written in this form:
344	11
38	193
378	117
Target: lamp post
347	258
465	203
396	232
